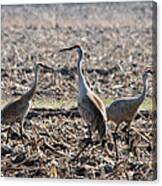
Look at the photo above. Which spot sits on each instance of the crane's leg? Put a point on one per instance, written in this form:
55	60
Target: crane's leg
89	137
115	139
89	132
8	133
128	137
129	149
87	143
22	130
82	149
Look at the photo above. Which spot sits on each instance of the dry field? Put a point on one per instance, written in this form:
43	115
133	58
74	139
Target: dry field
117	43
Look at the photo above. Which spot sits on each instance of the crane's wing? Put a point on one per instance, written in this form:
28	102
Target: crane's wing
92	114
98	103
124	106
14	110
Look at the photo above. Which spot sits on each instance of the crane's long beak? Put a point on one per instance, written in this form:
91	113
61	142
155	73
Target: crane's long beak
47	68
66	49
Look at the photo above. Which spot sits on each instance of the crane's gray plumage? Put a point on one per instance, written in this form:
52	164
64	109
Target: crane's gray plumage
90	106
17	110
124	110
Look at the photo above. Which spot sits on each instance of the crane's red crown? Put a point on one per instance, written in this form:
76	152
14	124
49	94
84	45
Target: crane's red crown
77	46
149	70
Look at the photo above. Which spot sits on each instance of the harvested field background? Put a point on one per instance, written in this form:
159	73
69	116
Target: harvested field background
117	43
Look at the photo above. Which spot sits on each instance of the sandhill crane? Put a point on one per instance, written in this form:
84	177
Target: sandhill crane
17	110
90	106
124	110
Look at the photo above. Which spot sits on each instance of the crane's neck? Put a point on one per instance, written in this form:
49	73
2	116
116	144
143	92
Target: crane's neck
83	87
143	94
31	92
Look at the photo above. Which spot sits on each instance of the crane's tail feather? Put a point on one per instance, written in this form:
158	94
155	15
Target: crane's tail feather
101	128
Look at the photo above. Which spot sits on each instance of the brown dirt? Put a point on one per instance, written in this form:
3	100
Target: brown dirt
117	42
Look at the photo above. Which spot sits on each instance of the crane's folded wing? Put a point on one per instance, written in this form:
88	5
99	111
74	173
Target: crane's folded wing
97	102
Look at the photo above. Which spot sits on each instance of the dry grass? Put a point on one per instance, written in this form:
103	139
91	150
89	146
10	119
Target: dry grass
117	39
